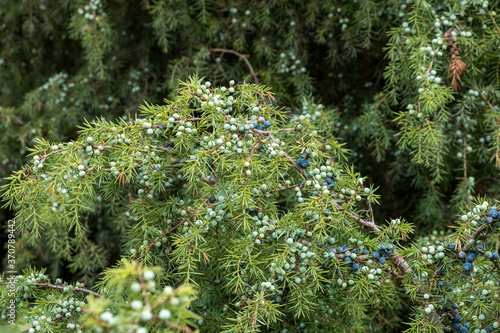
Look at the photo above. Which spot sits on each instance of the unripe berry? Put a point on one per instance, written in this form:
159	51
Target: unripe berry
149	275
164	314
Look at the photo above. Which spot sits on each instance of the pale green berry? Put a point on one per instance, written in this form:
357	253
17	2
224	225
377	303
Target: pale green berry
136	305
146	315
164	314
106	316
149	275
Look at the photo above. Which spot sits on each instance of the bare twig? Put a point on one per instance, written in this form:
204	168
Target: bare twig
242	56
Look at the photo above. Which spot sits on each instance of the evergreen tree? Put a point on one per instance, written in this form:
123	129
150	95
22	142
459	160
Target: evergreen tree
404	90
258	211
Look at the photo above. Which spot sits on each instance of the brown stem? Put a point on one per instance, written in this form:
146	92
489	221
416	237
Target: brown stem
242	56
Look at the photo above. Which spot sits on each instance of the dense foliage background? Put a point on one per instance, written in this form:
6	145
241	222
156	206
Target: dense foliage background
409	87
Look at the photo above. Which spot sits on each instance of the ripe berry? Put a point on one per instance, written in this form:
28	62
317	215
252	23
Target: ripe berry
267	124
467	266
304	163
211	199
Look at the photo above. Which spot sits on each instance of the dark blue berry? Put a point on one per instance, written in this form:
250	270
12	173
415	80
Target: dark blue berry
260	128
347	259
494	256
382	261
267	124
456	326
467	266
471	257
355	267
211	199
376	255
494	213
458	319
160	126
